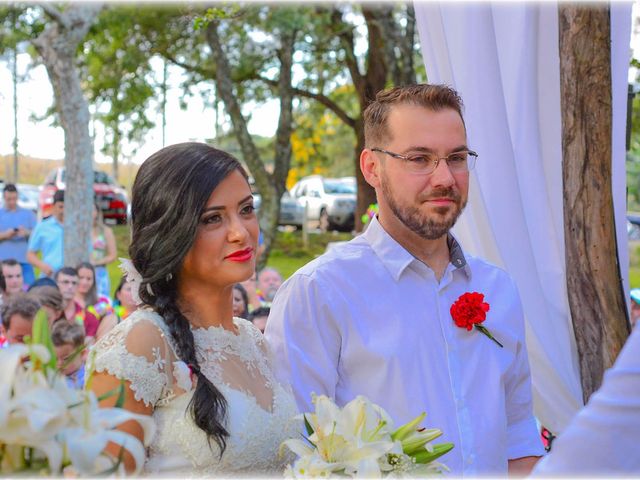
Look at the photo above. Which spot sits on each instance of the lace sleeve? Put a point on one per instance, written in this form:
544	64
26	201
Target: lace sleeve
137	351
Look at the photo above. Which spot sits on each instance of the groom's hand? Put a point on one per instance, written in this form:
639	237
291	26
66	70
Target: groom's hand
521	467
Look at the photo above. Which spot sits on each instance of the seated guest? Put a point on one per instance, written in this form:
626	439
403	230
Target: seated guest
123	306
50	300
88	298
68	340
17	318
269	281
259	317
240	302
124	303
250	285
12	273
67	281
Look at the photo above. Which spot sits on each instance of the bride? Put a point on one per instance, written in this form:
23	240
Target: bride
201	374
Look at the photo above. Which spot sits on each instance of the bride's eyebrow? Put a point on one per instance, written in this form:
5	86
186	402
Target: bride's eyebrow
220	207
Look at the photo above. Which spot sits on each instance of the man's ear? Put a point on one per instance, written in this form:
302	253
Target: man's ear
370	167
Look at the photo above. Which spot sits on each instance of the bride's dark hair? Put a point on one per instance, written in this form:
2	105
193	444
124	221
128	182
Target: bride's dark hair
170	192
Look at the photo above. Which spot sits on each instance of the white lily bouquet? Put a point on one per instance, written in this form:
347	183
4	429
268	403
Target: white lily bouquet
51	428
360	440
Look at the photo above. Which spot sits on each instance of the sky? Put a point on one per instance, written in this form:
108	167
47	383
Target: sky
39	138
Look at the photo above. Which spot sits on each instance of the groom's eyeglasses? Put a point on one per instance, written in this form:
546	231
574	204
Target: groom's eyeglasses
458	162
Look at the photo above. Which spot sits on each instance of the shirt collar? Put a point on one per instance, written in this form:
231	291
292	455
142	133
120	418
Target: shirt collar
396	258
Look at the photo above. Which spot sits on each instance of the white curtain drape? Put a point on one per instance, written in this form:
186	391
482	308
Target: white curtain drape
503	59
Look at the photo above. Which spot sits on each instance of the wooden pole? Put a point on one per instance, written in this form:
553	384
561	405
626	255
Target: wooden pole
596	298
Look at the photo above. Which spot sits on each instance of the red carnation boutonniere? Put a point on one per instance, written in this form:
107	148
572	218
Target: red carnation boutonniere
469	311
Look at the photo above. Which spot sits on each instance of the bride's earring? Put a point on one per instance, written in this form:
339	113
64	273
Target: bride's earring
168	277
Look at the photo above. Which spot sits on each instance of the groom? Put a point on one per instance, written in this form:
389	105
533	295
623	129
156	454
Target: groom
373	317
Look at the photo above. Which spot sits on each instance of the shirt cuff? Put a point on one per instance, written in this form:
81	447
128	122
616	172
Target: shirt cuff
523	440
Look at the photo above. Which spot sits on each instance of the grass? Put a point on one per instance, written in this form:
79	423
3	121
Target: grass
289	252
287	255
634	263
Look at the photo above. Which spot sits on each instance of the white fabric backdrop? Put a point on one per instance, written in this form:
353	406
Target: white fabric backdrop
503	59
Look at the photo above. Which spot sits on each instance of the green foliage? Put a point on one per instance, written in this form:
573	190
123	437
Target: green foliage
321	142
217	13
18	24
633	155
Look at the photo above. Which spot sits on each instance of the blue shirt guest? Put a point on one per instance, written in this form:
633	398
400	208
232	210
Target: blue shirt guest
394	313
48	239
16	224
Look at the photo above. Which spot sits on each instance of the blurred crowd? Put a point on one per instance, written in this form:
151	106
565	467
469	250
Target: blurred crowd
77	299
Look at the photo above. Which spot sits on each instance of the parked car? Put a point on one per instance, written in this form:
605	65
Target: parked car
110	197
290	212
28	196
633	226
329	201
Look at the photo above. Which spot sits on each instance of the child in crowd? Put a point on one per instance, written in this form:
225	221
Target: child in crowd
69	341
50	300
17	318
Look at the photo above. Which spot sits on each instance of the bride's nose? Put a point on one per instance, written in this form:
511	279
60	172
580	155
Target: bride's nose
237	230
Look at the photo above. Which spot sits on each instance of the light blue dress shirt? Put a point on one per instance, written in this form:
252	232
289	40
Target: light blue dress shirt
368	318
48	238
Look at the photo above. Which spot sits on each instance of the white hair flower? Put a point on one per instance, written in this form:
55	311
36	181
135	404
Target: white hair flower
133	277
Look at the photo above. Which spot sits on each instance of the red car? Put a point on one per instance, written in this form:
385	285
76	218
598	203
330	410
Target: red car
111	198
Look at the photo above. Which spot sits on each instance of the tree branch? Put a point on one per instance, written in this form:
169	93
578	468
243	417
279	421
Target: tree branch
346	38
189	68
55	14
285	122
318	97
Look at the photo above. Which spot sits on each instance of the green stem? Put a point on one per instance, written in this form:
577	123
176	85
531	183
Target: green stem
483	329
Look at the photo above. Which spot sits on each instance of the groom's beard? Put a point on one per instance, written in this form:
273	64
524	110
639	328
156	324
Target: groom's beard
429	227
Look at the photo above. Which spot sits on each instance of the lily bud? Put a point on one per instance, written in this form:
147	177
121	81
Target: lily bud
416	441
438	451
405	430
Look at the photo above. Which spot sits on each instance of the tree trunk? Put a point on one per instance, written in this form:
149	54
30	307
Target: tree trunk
270	186
116	150
596	298
163	105
371	83
57	45
14	74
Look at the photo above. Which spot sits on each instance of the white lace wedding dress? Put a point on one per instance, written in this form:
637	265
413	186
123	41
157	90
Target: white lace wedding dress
260	410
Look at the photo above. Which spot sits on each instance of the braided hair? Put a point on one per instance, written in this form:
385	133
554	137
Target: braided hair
170	191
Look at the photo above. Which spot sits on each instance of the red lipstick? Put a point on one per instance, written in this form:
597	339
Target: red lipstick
241	255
